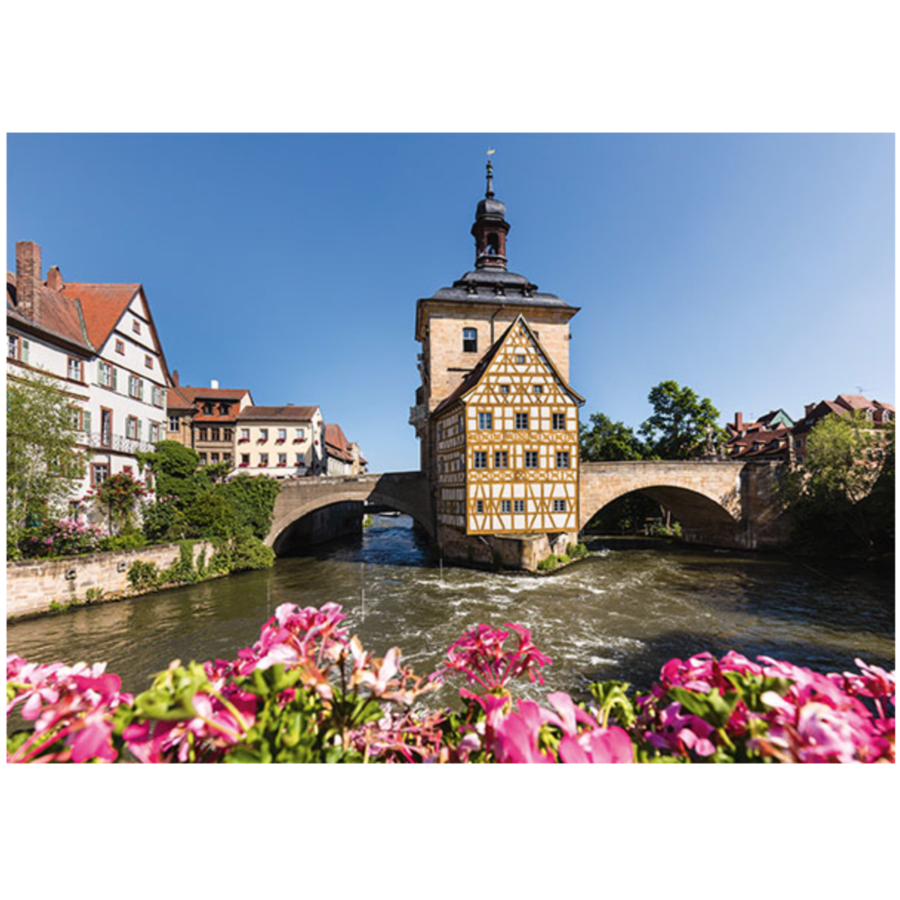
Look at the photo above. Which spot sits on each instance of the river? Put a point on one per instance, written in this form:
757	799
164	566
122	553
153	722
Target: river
619	614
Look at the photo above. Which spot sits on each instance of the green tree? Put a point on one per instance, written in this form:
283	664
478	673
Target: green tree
252	498
43	464
682	424
608	440
175	469
842	498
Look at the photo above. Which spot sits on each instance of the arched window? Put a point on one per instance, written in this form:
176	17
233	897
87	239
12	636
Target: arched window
470	340
493	244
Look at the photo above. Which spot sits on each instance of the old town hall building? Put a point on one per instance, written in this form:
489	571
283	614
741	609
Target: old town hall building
495	415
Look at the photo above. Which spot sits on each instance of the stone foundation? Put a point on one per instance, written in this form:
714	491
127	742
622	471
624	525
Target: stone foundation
517	552
33	584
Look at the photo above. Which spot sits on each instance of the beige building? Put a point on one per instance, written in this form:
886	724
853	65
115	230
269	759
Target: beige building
496	417
280	441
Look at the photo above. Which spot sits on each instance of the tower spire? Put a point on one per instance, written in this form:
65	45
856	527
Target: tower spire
490	228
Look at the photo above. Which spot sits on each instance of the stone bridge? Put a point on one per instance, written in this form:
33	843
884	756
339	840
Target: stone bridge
406	492
719	503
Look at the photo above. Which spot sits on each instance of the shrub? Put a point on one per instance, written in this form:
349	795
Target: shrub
118	495
163	520
67	537
252	500
182	571
144	576
134	540
249	552
210	515
548	564
577	551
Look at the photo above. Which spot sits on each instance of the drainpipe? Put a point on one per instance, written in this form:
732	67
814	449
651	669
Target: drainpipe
500	309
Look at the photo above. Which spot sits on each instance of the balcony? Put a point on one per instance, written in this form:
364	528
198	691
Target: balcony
96	441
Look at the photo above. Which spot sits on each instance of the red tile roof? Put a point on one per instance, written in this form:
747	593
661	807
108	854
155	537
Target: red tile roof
336	443
102	305
59	317
277	413
209	393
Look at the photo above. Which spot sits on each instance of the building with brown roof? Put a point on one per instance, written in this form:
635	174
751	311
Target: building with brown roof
766	438
280	441
204	418
342	457
874	411
99	343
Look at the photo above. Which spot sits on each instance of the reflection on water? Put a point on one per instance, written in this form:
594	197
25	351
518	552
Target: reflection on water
619	614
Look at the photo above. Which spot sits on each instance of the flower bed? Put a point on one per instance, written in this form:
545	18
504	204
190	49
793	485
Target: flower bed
306	692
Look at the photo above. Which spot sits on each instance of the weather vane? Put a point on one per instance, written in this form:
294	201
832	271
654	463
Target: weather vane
490	173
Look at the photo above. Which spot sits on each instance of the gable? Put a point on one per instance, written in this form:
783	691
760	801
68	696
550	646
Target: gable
517	370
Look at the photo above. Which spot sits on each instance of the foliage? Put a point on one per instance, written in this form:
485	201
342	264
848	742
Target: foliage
249	552
209	515
144	576
305	692
578	551
67	537
608	440
660	529
548	563
846	461
134	540
43	465
625	515
118	497
252	500
682	423
163	520
174	467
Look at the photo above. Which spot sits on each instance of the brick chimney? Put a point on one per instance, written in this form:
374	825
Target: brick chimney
809	408
28	279
738	421
175	377
54	279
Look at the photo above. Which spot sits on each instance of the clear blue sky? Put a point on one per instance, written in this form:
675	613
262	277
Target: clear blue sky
758	269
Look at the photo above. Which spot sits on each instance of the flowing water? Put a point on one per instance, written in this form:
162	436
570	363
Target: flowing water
619	614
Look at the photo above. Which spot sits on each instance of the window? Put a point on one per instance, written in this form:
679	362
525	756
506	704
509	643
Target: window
213	457
245	459
501	459
120	347
462	425
282	459
75	369
202	459
559	506
521	420
245	434
539	389
562	459
559	421
99	473
106	375
131	427
75	418
214	434
228	434
134	387
479	506
479	459
153	437
470	340
531	459
504	388
263	434
202	434
209	409
298	459
105	427
263	459
148	361
518	506
225	409
174	423
12	346
505	506
136	326
485	421
282	434
299	434
226	457
520	359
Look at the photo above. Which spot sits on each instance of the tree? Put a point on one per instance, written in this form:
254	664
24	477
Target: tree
842	499
682	424
43	464
608	440
175	469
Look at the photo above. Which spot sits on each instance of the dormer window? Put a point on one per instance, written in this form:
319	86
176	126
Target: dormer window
470	340
208	409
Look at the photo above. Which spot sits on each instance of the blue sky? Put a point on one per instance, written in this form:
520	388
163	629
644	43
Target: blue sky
758	269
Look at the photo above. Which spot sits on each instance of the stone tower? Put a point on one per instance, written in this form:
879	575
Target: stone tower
474	333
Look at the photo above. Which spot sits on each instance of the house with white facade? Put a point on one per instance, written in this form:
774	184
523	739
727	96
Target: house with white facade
99	343
280	441
342	457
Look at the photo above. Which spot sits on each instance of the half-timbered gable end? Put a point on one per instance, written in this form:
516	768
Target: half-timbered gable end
507	443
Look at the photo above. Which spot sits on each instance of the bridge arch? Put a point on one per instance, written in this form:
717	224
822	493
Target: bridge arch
405	492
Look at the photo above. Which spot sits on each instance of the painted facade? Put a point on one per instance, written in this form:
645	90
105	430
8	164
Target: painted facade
279	441
99	344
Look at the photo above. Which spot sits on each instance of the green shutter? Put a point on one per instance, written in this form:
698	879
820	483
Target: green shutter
25	346
141	389
139	429
87	421
115	378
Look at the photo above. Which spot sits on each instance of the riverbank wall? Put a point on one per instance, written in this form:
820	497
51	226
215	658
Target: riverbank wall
35	585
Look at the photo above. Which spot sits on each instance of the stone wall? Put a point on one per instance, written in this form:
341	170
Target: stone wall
33	584
496	551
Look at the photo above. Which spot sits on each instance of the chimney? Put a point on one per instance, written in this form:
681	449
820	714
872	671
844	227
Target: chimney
175	377
809	408
54	279
214	384
28	279
738	421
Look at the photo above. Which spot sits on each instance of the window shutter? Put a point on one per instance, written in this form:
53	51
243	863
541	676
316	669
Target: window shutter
140	382
87	421
138	432
25	346
115	379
